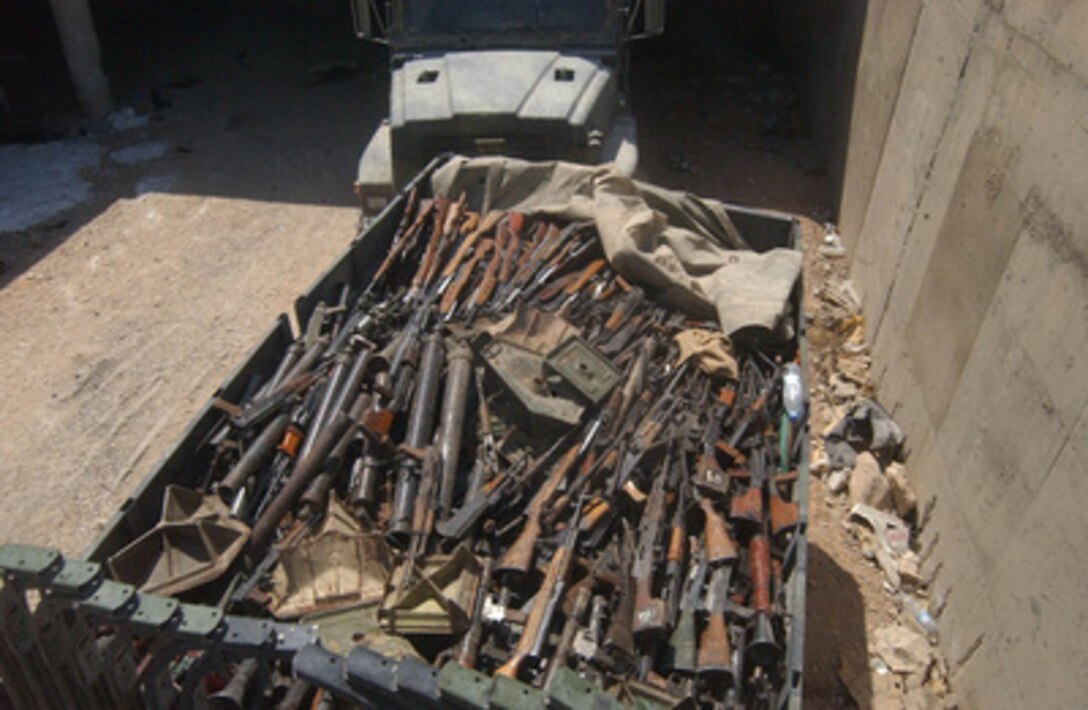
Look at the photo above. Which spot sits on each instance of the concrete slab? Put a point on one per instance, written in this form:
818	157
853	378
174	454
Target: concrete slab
966	113
1043	298
1038	591
1061	27
999	437
968	260
930	85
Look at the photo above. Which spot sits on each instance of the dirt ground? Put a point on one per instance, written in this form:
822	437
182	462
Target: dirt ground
123	315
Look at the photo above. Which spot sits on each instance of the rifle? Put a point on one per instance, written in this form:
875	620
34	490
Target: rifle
649	610
406	236
500	489
489	221
300	478
470	645
678	537
420	426
719	543
755	408
566	637
489	280
715	655
619	640
448	305
519	556
762	649
535	633
682	648
442	208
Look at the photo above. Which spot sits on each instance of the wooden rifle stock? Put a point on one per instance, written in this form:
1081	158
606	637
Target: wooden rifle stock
467	243
513	242
759	566
442	207
719	545
544	603
784	514
584	277
519	556
715	654
487	284
449	298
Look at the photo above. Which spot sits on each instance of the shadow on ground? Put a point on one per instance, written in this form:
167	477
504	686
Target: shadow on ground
836	655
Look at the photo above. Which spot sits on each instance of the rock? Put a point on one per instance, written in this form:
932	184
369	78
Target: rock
904	650
919	699
854	368
909	574
838	481
868	485
903	496
843	389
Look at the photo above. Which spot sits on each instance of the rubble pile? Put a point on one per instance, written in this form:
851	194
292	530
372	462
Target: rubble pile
503	460
858	450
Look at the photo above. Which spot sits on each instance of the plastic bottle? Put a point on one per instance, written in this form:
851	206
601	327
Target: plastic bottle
920	614
793	396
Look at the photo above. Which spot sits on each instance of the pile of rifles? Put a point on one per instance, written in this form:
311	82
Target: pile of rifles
640	542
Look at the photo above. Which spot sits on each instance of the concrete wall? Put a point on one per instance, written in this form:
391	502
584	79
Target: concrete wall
965	208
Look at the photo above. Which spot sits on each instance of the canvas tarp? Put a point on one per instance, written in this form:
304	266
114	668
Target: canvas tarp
684	249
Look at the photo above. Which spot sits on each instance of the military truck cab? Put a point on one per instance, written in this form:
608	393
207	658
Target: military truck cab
539	79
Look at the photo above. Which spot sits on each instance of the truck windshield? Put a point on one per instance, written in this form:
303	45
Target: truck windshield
489	17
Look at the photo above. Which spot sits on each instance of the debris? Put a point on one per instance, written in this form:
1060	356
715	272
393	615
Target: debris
843	389
820	466
855	369
908	568
904	650
866	427
849	297
126	119
838	481
868	485
920	615
906	501
139	153
892	532
832	247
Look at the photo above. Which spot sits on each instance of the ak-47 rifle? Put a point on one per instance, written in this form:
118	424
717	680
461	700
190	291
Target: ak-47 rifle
535	633
681	652
650	616
454	262
448	305
519	556
715	654
502	488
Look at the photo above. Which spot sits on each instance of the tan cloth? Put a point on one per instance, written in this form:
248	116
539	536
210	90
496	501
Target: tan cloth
712	352
682	249
532	329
